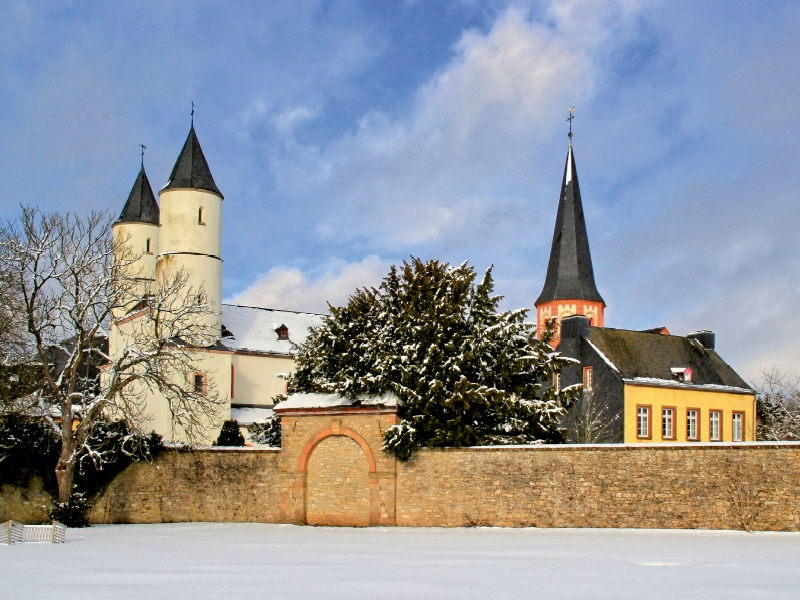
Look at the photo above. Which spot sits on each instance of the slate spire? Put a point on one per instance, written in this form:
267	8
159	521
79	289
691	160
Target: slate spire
141	206
569	273
191	169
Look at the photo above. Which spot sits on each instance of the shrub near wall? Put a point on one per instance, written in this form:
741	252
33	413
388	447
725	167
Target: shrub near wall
701	486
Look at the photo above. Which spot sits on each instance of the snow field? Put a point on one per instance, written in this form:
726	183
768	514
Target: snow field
220	561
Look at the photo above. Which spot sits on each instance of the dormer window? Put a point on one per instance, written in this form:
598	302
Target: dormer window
200	216
283	332
684	374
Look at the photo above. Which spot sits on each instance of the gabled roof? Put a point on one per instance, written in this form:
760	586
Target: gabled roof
141	206
191	169
253	329
569	273
645	357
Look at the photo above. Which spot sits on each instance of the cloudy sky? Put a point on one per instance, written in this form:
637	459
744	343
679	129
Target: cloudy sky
349	135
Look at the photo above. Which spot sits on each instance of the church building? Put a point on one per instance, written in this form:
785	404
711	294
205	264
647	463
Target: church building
185	232
649	386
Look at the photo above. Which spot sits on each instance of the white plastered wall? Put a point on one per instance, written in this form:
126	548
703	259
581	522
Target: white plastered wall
256	378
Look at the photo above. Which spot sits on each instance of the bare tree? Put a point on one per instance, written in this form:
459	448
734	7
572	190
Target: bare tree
592	420
778	406
75	283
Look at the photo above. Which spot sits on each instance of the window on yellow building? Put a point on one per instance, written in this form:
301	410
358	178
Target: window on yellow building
692	432
715	425
588	378
643	422
668	423
738	427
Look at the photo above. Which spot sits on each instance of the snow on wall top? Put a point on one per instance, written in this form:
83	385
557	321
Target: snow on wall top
254	328
300	401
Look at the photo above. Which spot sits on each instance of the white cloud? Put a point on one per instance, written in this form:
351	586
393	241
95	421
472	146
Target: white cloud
291	289
465	151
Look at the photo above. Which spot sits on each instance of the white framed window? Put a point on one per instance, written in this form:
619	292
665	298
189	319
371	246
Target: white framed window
715	425
557	382
588	378
692	433
737	428
643	422
668	423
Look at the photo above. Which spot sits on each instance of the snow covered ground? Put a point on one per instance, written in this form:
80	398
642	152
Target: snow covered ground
225	561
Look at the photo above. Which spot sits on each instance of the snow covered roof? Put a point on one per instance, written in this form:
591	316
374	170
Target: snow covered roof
249	328
303	401
248	415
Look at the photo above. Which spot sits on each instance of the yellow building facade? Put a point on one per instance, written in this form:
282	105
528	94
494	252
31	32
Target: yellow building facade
687	415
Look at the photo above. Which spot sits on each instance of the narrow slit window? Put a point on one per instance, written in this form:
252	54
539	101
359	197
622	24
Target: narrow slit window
200	216
588	378
147	247
199	383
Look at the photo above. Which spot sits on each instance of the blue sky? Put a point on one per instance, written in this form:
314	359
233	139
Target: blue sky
349	135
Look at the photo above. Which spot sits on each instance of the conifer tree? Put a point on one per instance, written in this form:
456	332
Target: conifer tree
230	435
465	373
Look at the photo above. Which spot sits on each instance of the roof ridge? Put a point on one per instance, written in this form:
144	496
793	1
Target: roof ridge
296	312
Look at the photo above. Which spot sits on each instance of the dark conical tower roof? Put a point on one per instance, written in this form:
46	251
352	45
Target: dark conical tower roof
569	273
191	169
141	206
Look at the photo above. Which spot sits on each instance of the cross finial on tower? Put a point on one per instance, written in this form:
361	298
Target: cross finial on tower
571	116
192	113
143	147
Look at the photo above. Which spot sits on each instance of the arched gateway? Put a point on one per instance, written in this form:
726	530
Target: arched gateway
333	471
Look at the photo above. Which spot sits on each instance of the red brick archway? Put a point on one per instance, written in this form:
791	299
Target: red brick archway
305	455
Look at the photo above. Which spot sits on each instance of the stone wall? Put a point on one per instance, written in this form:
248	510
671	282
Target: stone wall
701	486
208	485
711	486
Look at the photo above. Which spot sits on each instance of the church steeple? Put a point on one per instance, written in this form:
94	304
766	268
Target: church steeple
569	286
191	169
141	206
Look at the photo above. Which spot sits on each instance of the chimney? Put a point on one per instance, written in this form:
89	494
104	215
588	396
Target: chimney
705	337
574	326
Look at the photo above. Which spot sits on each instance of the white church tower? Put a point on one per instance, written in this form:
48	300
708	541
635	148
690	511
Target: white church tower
191	226
138	226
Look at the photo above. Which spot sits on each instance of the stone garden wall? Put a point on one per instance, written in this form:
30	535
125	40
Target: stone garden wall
730	486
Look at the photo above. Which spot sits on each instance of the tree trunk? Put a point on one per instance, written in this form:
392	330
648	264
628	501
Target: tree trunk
65	468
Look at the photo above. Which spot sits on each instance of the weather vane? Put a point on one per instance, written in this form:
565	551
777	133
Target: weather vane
571	116
143	147
192	112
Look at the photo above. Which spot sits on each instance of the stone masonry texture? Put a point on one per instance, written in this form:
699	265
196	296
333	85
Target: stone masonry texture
722	486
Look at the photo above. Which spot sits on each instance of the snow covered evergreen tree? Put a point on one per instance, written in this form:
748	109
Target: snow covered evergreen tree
466	374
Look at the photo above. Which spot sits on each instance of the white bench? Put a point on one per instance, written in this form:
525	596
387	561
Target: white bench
12	532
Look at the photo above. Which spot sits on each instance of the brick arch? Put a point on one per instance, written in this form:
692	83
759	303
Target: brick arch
305	455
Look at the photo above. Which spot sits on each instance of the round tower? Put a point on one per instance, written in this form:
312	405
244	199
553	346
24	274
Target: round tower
137	231
191	227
